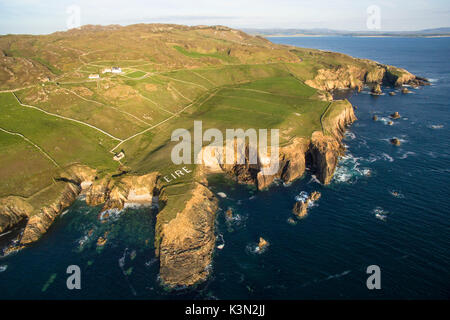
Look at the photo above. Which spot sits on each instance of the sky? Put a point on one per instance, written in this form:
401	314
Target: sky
43	17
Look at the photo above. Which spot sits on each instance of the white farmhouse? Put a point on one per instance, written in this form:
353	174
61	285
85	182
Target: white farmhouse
119	156
116	70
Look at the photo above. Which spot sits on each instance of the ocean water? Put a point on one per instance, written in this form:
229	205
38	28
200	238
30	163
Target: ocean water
387	206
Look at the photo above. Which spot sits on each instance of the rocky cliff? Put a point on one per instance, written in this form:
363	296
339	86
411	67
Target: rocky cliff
355	76
320	153
71	181
187	241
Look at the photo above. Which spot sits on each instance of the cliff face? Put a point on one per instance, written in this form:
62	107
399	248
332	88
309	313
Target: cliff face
12	211
322	151
129	189
187	241
39	223
69	184
356	76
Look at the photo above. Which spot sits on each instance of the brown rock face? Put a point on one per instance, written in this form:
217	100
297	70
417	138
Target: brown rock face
376	89
325	151
395	141
12	211
98	192
300	208
188	241
395	115
136	189
262	243
39	223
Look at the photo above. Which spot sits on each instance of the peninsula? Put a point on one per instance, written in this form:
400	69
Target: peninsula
91	111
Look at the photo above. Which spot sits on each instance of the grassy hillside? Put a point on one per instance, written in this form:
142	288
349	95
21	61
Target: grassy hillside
52	114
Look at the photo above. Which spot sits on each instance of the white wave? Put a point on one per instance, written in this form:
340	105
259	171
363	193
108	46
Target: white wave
338	275
348	170
291	221
406	154
302	196
112	214
380	213
314	179
3	268
436	126
254	248
396	194
349	135
387	157
222	242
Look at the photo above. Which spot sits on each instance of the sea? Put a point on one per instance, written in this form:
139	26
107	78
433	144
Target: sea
386	206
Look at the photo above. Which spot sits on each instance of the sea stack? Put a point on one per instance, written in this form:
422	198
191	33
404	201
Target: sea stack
301	207
395	115
262	243
376	89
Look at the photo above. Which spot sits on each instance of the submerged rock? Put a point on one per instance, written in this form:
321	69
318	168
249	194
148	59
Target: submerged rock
405	90
102	240
395	141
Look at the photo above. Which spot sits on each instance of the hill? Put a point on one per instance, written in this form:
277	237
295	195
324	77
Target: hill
92	111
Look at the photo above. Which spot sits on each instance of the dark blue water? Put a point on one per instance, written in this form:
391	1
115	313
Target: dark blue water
387	206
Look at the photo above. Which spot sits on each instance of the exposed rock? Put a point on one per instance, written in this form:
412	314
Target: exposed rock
262	243
101	241
375	117
395	141
187	241
325	151
405	90
395	115
376	89
392	93
39	223
98	192
229	213
133	189
300	208
315	195
13	210
391	123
